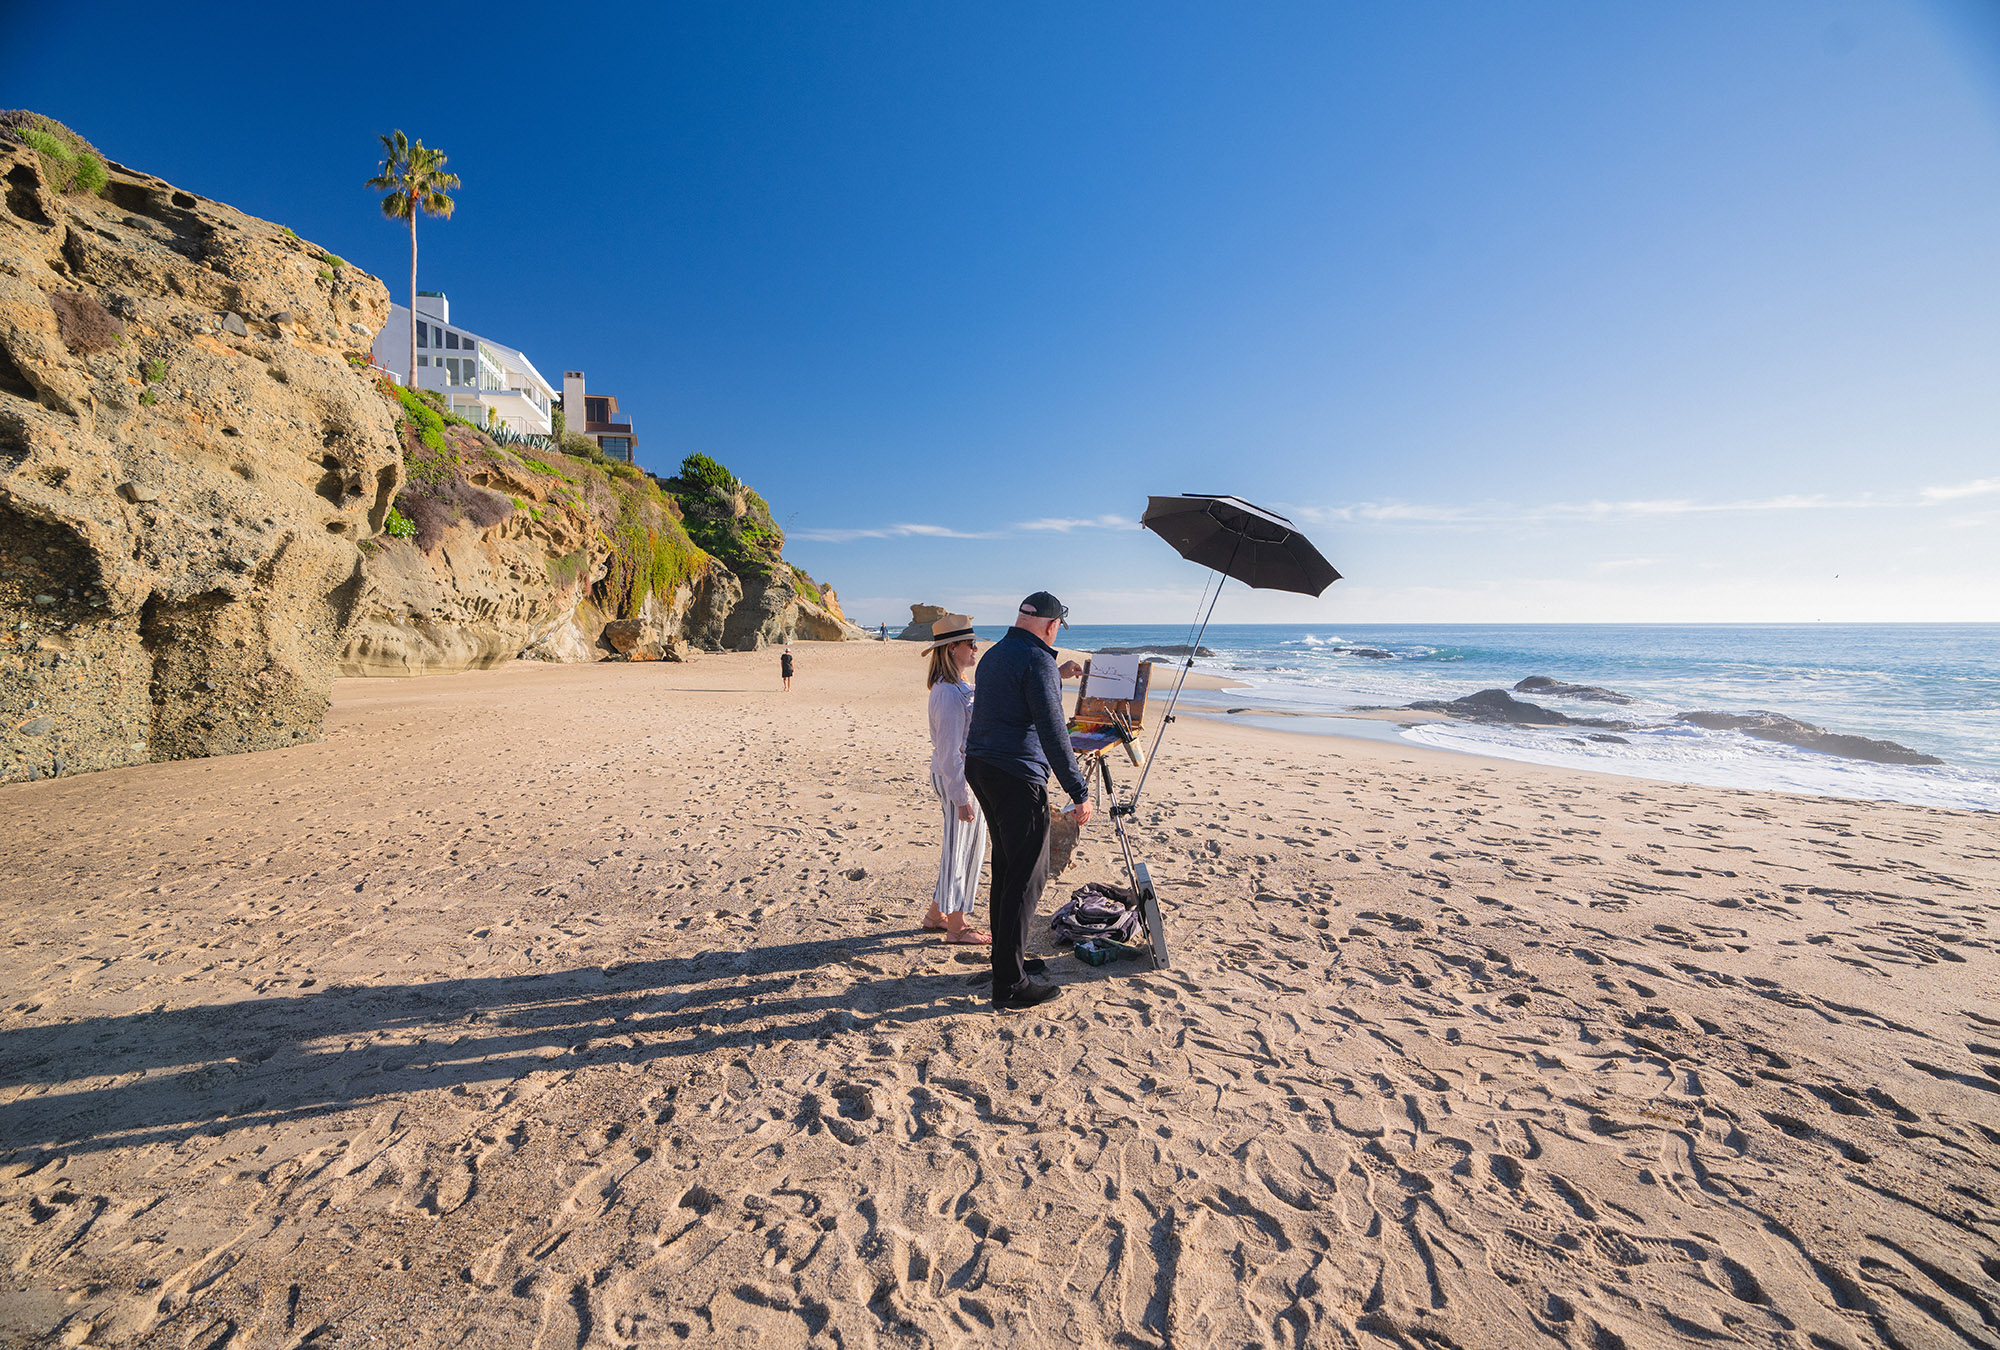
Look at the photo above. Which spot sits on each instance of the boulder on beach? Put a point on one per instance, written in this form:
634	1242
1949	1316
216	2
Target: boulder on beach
1770	726
921	619
1542	684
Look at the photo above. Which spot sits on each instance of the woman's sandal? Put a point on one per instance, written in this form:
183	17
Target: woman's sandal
969	937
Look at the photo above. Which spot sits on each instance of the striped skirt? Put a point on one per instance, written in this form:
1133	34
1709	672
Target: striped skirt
964	850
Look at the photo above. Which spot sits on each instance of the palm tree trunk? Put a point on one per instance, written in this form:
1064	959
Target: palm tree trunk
413	297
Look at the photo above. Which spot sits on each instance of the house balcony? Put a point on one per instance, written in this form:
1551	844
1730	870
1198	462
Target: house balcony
519	409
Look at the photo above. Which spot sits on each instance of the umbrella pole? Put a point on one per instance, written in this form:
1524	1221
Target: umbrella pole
1127	808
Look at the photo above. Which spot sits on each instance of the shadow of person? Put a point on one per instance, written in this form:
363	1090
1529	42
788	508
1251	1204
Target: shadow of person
116	1082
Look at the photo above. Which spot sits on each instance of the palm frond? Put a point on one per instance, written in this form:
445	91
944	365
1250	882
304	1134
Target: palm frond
414	177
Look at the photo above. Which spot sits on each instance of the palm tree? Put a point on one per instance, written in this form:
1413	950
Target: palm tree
415	180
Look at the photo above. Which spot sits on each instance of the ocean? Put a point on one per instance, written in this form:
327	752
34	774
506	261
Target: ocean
1934	688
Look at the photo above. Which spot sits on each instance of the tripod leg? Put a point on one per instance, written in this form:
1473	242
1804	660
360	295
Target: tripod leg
1149	909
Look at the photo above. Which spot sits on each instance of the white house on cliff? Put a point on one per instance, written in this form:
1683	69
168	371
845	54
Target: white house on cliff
483	380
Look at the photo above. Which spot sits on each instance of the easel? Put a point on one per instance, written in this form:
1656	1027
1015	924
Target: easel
1099	725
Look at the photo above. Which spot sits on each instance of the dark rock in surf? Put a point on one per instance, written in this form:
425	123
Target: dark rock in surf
1498	707
1494	705
1770	726
1542	684
1368	653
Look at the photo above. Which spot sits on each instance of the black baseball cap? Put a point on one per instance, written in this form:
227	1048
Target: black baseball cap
1042	605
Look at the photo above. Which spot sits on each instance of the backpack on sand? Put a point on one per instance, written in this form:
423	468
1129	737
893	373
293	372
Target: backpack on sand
1098	910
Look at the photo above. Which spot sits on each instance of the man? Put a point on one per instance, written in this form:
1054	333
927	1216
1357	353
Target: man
1018	734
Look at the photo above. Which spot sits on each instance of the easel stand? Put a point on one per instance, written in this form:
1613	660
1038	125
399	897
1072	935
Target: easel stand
1120	722
1135	871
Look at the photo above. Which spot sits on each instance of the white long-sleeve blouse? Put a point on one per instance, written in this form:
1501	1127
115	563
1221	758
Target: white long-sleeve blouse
951	717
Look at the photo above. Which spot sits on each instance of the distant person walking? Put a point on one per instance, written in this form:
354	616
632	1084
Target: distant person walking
1018	735
785	667
952	651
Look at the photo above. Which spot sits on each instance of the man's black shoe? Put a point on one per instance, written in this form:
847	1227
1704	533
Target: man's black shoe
1027	996
1034	965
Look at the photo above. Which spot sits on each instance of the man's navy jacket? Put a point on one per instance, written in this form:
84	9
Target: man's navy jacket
1018	725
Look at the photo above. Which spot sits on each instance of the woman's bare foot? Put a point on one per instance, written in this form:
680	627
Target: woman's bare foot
935	920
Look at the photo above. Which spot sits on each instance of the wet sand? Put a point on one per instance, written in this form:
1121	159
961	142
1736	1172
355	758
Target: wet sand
586	1006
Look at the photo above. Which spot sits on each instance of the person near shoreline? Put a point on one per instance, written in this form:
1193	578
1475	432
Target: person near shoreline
1017	737
952	651
785	667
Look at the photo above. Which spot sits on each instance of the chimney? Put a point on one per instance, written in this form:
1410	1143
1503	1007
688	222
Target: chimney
573	412
433	305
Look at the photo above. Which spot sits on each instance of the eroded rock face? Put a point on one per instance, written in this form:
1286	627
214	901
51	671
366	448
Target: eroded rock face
483	595
184	479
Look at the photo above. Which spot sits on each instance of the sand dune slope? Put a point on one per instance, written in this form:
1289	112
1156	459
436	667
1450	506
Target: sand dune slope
585	1007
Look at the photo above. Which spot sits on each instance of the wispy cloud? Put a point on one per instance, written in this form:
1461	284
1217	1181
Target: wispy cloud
905	531
1495	513
1449	515
1978	487
1048	524
1064	524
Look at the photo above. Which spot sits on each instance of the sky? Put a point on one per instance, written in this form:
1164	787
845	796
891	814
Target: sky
1523	312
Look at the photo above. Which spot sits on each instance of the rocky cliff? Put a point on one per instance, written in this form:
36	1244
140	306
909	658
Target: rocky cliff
209	505
187	464
496	552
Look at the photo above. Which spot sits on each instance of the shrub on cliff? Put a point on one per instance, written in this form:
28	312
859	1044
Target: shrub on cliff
435	508
579	446
69	162
726	517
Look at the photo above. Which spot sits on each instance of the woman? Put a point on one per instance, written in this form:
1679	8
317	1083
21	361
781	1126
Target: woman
952	652
785	667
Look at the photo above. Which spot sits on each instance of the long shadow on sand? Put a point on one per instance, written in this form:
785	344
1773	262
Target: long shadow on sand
170	1075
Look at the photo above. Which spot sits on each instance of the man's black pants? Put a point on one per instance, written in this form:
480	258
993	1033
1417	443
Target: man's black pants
1017	821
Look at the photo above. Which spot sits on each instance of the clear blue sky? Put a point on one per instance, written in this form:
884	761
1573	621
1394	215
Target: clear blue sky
1528	311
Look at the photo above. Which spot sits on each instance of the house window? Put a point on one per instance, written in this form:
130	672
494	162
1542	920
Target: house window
451	339
423	334
423	360
617	447
594	410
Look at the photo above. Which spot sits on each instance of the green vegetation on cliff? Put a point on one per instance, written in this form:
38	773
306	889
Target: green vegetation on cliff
69	162
650	551
726	517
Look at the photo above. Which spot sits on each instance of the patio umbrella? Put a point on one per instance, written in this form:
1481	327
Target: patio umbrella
1259	548
1262	550
1230	536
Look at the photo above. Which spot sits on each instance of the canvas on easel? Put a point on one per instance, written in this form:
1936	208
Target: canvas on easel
1111	706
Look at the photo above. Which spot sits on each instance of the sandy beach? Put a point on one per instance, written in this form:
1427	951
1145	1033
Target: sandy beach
586	1006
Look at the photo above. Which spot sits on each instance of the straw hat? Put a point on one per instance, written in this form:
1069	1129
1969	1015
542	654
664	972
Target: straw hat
948	629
